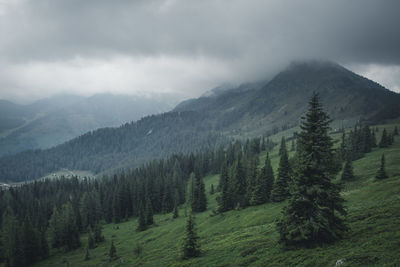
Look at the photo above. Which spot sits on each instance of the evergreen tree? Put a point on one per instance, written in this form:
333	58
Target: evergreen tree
202	200
263	187
97	233
191	247
212	190
312	213
142	219
395	131
224	200
280	191
384	139
381	174
113	252
149	212
239	185
176	211
347	173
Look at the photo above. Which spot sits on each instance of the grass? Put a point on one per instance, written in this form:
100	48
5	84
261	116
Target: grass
249	238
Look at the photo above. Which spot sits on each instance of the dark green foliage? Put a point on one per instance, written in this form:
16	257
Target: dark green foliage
280	190
395	131
112	254
347	173
381	174
149	212
97	233
212	191
142	219
385	139
265	179
239	185
191	247
225	199
312	214
198	198
175	212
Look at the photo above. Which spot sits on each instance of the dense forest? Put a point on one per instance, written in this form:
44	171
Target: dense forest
47	214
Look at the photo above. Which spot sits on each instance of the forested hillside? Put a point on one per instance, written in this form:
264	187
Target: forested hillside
251	110
49	122
52	217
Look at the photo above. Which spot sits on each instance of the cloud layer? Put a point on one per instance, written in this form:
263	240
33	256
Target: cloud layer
53	46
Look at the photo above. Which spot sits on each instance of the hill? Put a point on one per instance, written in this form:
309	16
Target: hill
49	122
254	109
248	237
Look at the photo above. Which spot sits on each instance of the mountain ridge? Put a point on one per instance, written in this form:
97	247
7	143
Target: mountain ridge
249	110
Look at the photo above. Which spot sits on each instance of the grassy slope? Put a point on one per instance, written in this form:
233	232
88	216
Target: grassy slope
248	237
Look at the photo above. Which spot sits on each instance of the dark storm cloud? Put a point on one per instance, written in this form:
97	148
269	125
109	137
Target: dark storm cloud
242	40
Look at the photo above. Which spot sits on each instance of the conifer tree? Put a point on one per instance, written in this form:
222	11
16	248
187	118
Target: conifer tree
142	219
263	187
312	213
384	139
395	131
97	233
239	185
113	252
381	174
149	212
280	190
175	212
212	189
191	247
347	173
224	200
283	146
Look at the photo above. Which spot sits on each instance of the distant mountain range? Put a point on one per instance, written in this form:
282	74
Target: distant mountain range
52	121
249	110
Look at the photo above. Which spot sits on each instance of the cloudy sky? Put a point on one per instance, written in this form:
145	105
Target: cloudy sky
186	47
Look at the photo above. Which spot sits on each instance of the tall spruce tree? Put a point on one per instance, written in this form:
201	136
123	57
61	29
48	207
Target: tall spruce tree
312	215
395	131
263	187
381	174
347	173
224	199
239	185
149	212
385	142
112	254
191	247
280	191
142	219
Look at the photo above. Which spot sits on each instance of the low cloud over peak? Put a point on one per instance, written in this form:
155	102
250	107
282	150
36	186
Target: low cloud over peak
186	47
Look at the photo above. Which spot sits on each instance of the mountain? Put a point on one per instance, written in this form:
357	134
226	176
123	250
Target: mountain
252	109
52	121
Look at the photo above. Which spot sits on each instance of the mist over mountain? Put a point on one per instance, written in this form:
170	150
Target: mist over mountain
52	121
249	110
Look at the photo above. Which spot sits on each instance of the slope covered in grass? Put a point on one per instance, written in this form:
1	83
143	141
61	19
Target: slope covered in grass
249	238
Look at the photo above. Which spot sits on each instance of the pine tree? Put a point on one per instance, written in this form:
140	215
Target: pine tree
280	191
97	233
202	200
149	212
384	139
212	189
347	173
142	219
395	131
191	247
263	187
239	185
224	200
381	172
176	211
113	252
312	213
283	146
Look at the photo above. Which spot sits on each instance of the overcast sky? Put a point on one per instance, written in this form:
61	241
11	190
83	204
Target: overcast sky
186	47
